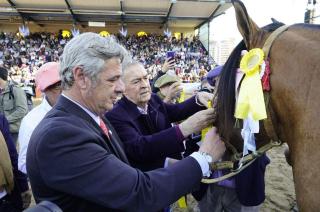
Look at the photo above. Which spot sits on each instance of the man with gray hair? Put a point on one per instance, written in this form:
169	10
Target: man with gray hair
144	122
75	158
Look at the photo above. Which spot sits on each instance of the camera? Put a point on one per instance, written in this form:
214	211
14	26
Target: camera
170	55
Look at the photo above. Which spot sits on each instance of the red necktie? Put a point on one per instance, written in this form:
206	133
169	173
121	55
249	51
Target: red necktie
104	128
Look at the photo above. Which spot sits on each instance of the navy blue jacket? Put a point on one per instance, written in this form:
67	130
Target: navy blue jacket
149	139
72	163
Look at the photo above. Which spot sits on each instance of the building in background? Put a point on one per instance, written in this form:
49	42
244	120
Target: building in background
222	35
221	49
312	13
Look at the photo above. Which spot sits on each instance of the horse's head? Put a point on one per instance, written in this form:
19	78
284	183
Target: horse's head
294	97
253	37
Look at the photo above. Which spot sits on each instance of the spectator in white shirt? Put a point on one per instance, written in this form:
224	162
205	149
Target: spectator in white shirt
48	81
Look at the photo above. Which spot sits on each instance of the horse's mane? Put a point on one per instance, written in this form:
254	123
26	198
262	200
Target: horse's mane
226	89
307	26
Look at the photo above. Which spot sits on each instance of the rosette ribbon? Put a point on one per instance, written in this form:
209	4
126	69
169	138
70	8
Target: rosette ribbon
251	99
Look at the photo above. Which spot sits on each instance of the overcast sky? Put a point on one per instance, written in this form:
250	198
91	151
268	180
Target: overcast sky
261	11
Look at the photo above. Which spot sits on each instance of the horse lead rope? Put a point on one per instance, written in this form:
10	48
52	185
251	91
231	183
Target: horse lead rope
246	160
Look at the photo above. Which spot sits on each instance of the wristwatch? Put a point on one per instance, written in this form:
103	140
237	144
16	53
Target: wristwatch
206	156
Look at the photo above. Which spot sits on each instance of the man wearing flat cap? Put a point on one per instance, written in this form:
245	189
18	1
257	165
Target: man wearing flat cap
169	88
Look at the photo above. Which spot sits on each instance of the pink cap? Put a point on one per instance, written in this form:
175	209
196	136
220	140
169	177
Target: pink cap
47	75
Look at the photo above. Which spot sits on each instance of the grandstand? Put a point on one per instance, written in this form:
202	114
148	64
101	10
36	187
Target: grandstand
35	32
181	17
136	15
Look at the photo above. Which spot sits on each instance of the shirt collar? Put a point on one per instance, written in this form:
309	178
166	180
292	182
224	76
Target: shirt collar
94	116
143	111
46	104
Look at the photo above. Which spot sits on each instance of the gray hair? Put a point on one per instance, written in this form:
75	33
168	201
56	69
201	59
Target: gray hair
128	63
89	51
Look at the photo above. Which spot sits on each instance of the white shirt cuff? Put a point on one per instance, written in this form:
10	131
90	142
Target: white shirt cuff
203	163
166	163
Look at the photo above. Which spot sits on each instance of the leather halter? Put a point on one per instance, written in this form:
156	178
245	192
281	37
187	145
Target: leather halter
269	122
268	125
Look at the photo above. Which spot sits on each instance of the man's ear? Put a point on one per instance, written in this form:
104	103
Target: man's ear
80	79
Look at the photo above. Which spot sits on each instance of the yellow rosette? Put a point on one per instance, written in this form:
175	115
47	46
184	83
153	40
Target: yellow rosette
182	96
182	202
251	97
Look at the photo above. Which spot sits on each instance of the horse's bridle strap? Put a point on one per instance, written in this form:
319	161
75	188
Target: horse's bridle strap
267	45
268	123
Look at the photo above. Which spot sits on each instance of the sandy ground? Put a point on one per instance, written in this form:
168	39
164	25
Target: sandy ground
280	194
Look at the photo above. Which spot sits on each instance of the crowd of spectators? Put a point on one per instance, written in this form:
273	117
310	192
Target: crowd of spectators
191	58
23	56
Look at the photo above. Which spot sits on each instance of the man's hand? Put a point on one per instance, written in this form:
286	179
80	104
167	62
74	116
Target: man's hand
168	64
26	198
173	91
204	97
197	122
213	145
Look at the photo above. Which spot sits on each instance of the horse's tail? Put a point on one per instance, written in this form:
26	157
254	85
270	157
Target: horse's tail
226	93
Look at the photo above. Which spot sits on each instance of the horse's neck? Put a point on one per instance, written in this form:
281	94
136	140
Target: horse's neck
295	81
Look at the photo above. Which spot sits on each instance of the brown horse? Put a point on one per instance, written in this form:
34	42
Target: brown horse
294	98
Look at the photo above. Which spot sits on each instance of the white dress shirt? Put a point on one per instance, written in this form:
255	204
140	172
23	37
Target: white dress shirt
28	124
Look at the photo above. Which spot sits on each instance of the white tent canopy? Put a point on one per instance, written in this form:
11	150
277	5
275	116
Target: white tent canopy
160	13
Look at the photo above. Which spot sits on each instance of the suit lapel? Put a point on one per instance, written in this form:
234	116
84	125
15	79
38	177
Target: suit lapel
113	145
115	142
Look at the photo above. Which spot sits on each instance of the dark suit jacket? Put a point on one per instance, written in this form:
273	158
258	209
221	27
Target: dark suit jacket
72	163
149	139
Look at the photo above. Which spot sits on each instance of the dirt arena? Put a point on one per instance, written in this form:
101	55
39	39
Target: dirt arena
280	194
